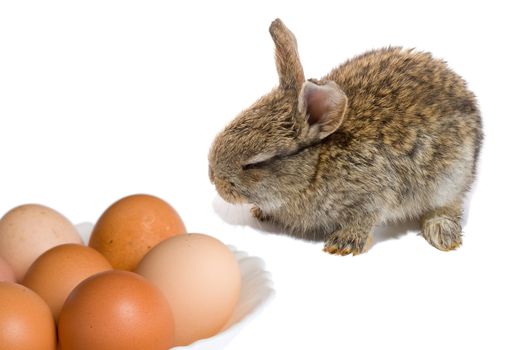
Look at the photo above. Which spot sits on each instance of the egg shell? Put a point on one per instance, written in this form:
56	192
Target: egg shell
28	231
116	310
6	272
26	322
200	278
130	227
59	270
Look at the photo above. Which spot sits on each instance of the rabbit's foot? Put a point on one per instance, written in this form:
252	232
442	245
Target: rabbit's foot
442	229
348	241
259	214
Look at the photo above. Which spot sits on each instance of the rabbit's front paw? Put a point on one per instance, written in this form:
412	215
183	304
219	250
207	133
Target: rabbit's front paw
344	242
258	214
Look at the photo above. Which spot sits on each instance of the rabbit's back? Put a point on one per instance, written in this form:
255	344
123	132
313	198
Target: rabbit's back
415	122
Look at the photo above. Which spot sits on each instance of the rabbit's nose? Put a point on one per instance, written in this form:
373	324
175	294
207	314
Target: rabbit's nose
210	174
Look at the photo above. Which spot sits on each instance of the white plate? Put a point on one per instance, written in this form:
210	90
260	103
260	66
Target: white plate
255	294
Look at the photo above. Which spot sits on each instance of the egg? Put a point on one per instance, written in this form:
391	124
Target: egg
26	322
201	280
28	231
129	228
116	310
6	272
59	270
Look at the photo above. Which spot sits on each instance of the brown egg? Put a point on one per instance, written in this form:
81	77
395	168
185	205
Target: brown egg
200	278
59	270
6	272
129	228
26	322
116	310
28	231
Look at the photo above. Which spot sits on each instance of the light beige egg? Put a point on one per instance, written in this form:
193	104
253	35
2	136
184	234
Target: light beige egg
200	277
6	272
28	231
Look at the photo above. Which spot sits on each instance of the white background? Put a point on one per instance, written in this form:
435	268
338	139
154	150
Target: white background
102	99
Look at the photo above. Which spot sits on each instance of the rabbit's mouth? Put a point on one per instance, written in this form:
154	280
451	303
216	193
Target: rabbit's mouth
232	197
226	190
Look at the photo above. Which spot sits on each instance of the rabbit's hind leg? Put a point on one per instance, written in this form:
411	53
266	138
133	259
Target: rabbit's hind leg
353	239
441	227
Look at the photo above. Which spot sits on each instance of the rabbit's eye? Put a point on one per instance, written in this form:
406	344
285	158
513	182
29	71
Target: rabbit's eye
248	166
258	160
253	165
265	158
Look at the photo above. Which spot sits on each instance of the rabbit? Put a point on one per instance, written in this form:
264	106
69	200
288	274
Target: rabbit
392	134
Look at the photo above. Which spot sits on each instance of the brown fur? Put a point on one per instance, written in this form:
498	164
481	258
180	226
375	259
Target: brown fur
388	135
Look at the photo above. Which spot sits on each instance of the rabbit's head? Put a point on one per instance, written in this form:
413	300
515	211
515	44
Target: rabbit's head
260	157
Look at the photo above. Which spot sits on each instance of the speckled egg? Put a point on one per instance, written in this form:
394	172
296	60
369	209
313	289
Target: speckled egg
130	227
28	231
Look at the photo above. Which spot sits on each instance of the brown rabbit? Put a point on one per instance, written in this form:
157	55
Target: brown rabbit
389	135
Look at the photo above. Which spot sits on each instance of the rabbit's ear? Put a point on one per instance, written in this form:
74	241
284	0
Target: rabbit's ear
289	67
324	107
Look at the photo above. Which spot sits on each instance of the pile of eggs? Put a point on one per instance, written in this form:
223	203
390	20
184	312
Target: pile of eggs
141	283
